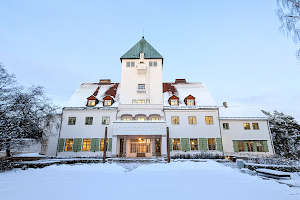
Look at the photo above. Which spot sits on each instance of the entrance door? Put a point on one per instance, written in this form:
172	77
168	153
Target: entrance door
121	147
157	147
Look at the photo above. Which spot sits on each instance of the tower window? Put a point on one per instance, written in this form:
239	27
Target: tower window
155	63
132	64
150	63
127	64
141	86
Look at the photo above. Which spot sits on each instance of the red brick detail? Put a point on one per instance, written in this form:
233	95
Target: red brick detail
96	91
189	97
168	87
174	97
180	81
92	98
108	98
112	91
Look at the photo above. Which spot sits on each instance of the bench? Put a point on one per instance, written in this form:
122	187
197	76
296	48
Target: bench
273	173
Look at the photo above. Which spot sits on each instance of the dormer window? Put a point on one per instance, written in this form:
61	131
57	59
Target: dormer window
174	101
108	101
92	101
189	100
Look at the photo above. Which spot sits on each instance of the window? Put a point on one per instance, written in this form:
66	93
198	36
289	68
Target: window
148	101
126	118
150	63
225	126
255	126
175	120
192	120
107	102
140	145
91	102
69	145
190	102
250	145
209	120
155	119
105	120
102	144
132	64
141	86
174	102
72	121
127	64
154	63
241	146
88	120
141	101
86	144
194	144
134	101
140	119
211	143
259	146
176	144
246	126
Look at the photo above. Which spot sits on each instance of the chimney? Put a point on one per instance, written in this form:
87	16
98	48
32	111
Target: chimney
180	81
104	81
225	104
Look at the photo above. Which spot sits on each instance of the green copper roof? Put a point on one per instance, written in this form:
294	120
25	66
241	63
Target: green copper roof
142	47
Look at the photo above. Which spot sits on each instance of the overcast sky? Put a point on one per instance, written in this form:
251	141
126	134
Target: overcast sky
233	46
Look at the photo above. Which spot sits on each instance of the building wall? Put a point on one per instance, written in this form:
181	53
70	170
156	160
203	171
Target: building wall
236	132
130	80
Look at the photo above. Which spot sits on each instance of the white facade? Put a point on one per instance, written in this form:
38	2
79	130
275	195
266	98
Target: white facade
137	113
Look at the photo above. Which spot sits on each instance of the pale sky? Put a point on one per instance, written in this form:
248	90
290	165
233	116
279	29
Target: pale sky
233	46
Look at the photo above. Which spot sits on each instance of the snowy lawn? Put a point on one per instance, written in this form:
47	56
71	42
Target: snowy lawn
177	180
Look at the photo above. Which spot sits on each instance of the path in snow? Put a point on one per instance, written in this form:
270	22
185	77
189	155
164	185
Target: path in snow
177	180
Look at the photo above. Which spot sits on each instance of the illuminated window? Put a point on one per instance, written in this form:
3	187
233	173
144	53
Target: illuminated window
190	102
91	102
86	144
250	146
102	144
192	120
246	126
150	63
140	145
148	101
88	120
225	126
141	101
72	121
141	86
255	126
127	64
259	146
194	144
241	146
175	120
134	101
105	120
211	143
209	120
132	64
176	144
154	63
155	119
140	119
126	118
174	102
69	145
107	102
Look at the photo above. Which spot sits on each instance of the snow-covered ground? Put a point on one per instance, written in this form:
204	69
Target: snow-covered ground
177	180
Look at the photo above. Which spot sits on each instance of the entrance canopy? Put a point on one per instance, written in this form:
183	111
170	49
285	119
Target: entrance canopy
139	128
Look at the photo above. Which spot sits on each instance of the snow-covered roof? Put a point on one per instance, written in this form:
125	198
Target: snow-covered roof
197	89
85	90
233	112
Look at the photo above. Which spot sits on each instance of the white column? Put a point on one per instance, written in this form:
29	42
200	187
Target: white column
164	146
114	146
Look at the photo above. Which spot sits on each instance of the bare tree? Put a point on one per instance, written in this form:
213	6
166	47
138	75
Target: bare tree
288	13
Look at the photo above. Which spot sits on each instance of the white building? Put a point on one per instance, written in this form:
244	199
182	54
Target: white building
137	113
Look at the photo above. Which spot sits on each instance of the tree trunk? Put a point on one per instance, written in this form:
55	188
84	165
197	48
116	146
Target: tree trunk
8	155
